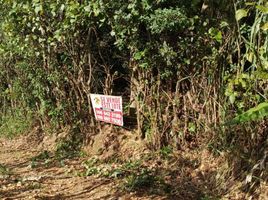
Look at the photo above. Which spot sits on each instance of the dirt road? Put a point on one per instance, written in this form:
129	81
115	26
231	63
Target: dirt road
20	179
176	176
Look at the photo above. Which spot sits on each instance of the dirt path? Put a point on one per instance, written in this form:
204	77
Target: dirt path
178	176
20	180
162	176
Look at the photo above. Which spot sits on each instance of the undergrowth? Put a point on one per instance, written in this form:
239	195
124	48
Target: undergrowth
15	123
4	171
133	175
66	148
146	180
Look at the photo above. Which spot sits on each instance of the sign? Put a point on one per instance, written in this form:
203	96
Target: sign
107	108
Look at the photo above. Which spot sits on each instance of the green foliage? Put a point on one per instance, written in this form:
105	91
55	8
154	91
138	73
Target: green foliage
70	146
112	170
91	167
37	40
215	34
166	152
141	181
146	180
67	149
14	124
241	13
164	20
253	114
187	64
247	88
42	156
133	175
132	165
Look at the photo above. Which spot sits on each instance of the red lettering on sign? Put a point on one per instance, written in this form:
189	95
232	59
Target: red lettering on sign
114	117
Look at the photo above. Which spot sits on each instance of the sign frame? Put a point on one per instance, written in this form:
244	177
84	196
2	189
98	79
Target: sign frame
108	108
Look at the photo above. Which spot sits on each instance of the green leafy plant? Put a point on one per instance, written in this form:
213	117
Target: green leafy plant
42	156
253	114
14	124
144	180
66	149
166	152
70	146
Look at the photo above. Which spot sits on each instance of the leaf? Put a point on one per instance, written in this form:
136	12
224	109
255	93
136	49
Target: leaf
261	75
192	127
265	27
232	98
38	9
250	3
187	61
139	55
250	56
112	33
215	34
62	7
87	8
218	37
241	13
253	114
262	9
224	24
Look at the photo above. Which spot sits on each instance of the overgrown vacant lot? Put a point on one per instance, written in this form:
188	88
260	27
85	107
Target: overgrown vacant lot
184	83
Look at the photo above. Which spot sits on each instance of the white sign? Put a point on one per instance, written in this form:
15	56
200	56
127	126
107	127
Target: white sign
108	108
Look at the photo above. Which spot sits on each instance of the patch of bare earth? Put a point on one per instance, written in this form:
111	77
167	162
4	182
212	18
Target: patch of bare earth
53	182
186	175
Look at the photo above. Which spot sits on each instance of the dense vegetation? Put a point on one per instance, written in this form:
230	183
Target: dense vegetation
196	71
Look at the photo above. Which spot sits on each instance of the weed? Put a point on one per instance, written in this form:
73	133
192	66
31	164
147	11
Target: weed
166	152
132	165
42	156
116	173
146	180
4	171
92	171
34	186
82	154
91	162
69	147
13	124
113	159
90	166
94	166
136	177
